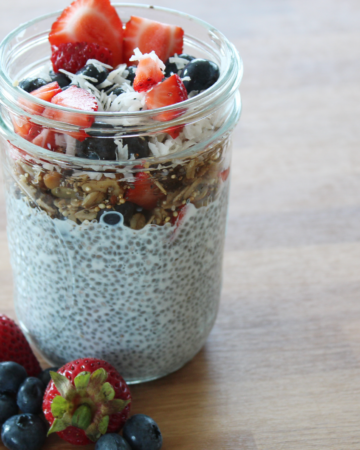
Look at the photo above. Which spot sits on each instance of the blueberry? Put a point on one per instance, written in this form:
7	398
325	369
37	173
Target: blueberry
127	210
142	433
61	78
100	127
171	68
138	146
11	377
97	148
23	432
30	395
132	73
116	91
98	72
202	73
30	84
45	377
112	441
8	407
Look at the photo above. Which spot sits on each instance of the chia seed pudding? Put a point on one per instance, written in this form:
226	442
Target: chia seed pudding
117	213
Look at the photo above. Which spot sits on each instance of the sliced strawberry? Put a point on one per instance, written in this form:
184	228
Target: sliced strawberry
45	93
46	139
144	193
25	128
178	221
148	35
78	99
148	73
91	21
169	92
225	174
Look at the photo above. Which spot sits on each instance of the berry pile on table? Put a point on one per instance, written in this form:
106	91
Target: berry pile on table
84	401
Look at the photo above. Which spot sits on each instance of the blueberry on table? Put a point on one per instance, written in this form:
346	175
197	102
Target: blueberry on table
8	407
12	376
61	79
112	441
142	433
137	146
30	84
202	73
98	72
132	73
30	396
45	377
24	432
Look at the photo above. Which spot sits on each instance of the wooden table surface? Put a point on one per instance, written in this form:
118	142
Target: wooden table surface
281	369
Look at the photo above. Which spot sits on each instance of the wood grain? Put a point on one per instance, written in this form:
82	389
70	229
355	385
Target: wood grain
281	369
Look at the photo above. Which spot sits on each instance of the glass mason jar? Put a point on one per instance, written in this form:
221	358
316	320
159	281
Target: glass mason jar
119	259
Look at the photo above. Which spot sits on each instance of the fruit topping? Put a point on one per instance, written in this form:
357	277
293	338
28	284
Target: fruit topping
46	93
144	192
12	376
138	147
202	74
97	72
97	148
76	98
175	63
44	376
60	78
86	399
142	433
15	347
24	432
8	407
167	93
73	56
148	35
91	21
30	395
116	91
132	73
148	73
112	442
31	84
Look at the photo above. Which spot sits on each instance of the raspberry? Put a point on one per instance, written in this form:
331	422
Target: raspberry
73	56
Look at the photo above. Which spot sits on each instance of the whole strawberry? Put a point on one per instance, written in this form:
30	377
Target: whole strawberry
86	399
14	347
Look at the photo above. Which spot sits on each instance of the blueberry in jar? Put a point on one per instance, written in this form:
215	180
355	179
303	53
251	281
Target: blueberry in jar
137	146
44	376
61	79
12	376
97	148
24	432
172	67
116	91
98	72
127	210
131	74
112	441
142	433
31	84
202	73
8	407
30	395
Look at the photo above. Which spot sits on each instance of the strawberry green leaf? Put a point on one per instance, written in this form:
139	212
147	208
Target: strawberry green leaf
115	406
63	385
82	417
97	379
108	391
59	425
59	406
93	432
103	425
81	381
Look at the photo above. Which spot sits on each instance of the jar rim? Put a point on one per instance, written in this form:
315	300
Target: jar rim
231	71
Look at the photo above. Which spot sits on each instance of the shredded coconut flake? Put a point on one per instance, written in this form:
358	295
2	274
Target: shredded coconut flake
138	56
